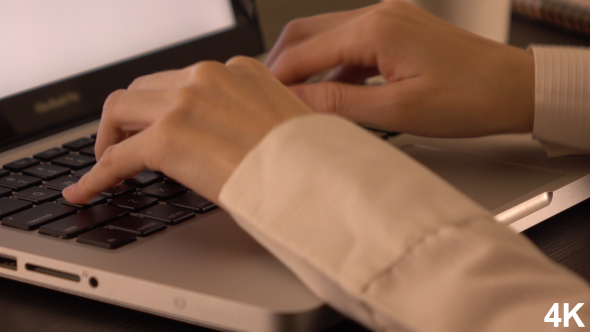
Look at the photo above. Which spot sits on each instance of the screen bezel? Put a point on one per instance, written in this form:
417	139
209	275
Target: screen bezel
79	99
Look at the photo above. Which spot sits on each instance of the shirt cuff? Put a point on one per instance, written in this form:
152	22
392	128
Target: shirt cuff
338	205
562	99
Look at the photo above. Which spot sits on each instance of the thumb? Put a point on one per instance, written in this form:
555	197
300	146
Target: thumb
358	103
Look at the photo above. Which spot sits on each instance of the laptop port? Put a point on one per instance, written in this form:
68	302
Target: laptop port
8	262
51	272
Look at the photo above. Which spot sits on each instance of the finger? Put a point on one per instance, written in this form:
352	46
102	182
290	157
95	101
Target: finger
164	80
300	29
320	53
122	161
375	105
125	112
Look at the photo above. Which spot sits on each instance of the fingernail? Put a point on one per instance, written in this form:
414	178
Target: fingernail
68	192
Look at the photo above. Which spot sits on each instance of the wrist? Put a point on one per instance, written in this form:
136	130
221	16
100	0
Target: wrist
519	91
527	79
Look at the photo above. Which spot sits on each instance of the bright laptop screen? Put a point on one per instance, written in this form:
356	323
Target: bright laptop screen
45	41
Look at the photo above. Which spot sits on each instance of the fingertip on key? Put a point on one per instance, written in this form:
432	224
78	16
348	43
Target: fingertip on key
69	192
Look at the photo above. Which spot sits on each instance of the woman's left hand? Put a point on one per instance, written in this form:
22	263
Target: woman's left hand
195	125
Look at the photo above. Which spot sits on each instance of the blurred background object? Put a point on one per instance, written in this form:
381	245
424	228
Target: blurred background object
488	18
274	14
569	15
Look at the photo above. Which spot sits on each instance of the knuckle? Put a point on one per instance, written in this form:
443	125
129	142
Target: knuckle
329	98
377	21
136	83
294	27
245	63
383	25
388	16
110	103
238	60
205	70
336	99
108	157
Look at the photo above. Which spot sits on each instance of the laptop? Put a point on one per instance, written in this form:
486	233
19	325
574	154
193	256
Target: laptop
174	253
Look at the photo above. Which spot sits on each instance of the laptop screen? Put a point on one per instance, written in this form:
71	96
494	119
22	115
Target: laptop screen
61	58
51	40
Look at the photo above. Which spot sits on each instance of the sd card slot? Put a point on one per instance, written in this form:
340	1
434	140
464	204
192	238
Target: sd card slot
52	272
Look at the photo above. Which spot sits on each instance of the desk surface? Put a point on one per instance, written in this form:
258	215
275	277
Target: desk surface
565	238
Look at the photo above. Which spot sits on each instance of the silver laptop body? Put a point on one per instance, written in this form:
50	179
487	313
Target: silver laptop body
510	175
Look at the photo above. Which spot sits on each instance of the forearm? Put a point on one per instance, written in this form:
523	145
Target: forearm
385	241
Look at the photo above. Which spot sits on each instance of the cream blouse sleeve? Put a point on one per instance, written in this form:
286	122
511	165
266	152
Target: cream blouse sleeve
385	241
562	99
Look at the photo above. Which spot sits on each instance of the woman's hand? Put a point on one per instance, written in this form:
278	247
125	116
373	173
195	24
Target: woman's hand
441	80
194	124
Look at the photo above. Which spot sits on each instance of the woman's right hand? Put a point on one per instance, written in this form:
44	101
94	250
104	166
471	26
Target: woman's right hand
442	81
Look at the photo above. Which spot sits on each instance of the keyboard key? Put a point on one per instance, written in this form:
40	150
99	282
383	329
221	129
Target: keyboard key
4	172
145	179
95	201
80	172
5	192
47	171
47	155
167	213
38	195
134	202
19	182
86	220
163	191
79	143
138	226
74	161
89	151
93	135
122	189
194	202
61	183
38	216
106	238
19	165
9	206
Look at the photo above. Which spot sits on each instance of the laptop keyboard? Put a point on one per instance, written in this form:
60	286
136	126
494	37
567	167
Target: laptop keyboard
30	199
